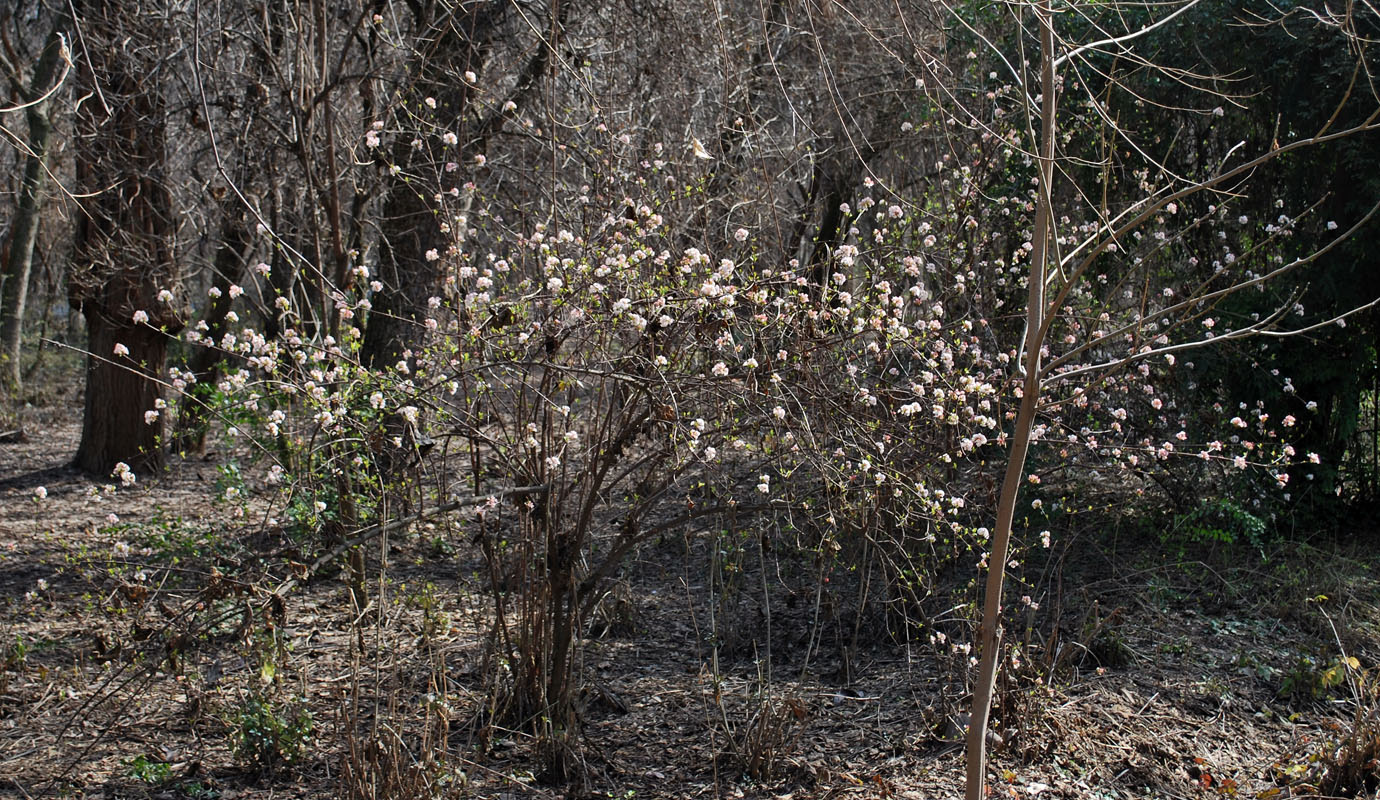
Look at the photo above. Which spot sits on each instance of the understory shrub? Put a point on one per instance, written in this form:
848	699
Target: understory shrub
576	386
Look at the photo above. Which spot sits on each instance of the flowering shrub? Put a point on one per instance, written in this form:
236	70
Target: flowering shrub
578	385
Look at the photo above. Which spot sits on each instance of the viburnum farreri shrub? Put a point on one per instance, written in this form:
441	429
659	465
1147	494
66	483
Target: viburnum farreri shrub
585	380
596	386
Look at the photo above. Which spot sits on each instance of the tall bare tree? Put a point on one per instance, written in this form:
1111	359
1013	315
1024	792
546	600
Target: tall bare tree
124	254
48	73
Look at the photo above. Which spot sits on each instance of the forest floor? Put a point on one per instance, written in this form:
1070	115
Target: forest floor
141	656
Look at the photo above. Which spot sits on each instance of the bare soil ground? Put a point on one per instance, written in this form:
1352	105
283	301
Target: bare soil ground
141	653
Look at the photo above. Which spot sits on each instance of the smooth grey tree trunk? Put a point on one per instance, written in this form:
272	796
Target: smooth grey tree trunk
14	283
989	634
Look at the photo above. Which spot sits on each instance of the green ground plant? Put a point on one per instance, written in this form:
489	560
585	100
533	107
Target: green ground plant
268	733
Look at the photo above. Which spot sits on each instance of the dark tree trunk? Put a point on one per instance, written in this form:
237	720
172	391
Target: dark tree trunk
123	254
411	224
457	41
410	229
193	417
833	225
118	392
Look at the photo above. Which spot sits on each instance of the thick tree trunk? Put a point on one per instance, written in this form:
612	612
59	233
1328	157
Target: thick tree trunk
411	228
119	389
411	224
14	284
123	254
833	229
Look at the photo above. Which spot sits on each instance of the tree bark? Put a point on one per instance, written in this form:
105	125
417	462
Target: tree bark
833	226
118	392
14	284
193	417
411	228
124	238
989	634
411	224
